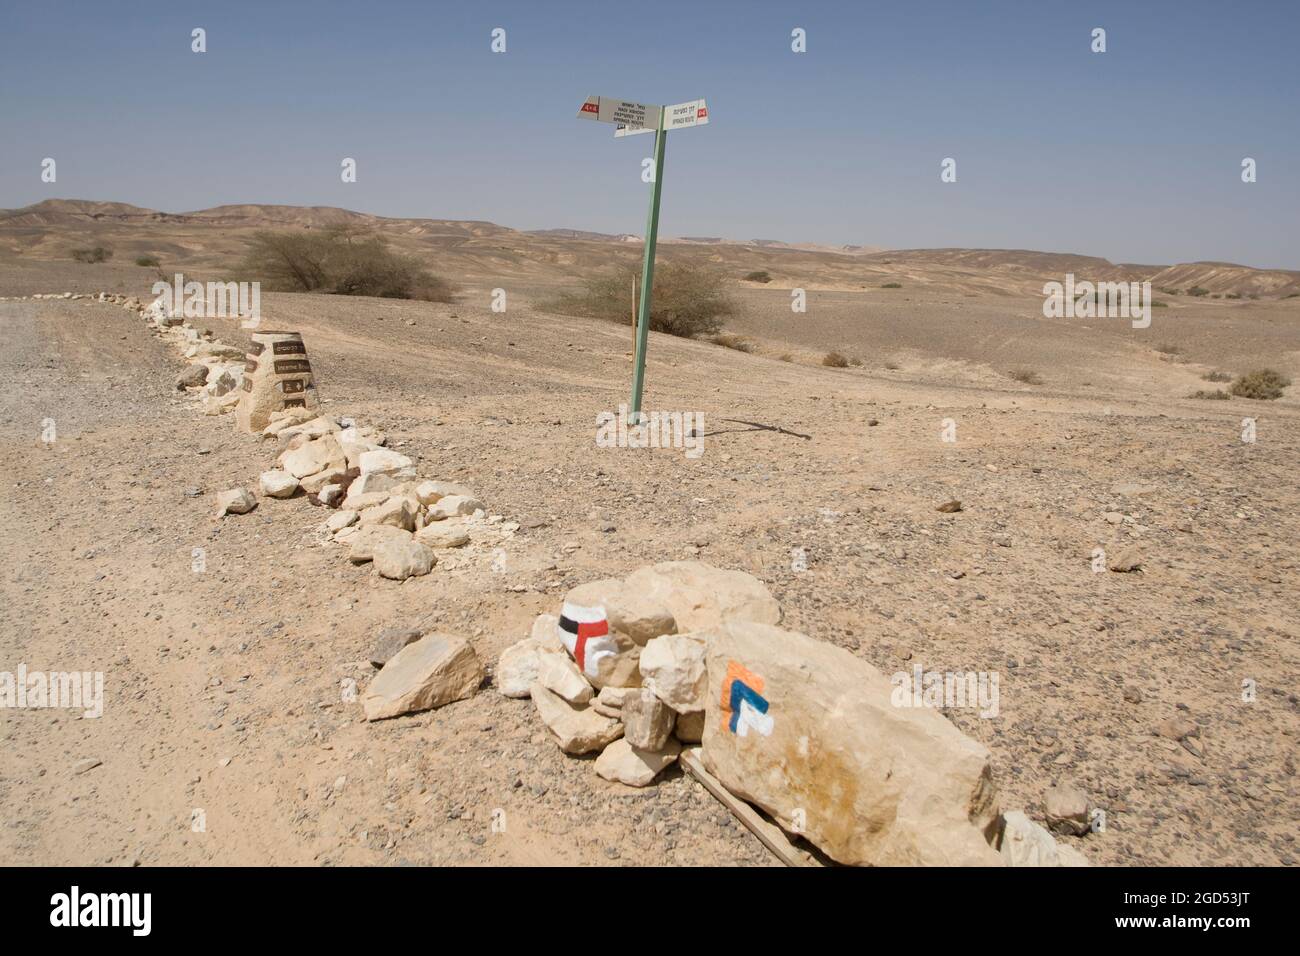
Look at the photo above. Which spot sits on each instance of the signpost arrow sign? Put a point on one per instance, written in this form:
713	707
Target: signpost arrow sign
630	118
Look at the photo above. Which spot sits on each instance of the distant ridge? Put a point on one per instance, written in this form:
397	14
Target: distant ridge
213	237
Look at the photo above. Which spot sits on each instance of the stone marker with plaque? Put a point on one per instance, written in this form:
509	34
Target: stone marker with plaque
277	376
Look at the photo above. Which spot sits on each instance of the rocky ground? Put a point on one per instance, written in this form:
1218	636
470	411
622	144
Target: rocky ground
223	686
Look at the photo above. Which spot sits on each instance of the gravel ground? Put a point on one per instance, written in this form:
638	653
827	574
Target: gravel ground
223	685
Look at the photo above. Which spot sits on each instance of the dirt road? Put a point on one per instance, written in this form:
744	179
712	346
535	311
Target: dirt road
225	643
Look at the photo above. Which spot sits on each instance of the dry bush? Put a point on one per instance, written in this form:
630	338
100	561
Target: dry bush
1217	394
339	261
1264	384
1217	376
1167	348
93	254
759	277
835	360
892	285
688	300
729	340
1026	376
147	261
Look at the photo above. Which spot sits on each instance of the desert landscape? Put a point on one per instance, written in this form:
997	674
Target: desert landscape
935	500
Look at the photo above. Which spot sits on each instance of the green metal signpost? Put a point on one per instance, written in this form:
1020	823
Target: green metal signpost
631	118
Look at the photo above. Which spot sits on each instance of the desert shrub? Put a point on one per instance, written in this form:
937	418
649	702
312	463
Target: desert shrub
147	261
1233	295
855	361
1197	291
787	357
339	261
1157	304
729	340
1264	384
758	277
1168	348
1217	394
892	285
893	366
1217	376
835	360
93	254
688	300
1170	291
1026	376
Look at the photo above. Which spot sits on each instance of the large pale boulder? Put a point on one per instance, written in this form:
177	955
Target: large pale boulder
433	671
809	733
401	558
224	380
235	501
1065	807
429	492
647	720
316	427
315	484
340	520
1025	843
311	457
442	535
673	666
517	668
381	461
559	674
577	728
286	418
453	506
623	763
277	484
193	377
362	545
699	595
689	728
396	511
360	503
546	632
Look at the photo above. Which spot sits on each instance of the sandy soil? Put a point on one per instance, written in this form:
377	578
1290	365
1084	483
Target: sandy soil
243	661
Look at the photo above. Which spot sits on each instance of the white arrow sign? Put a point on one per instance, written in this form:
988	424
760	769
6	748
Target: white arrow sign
694	113
606	109
681	116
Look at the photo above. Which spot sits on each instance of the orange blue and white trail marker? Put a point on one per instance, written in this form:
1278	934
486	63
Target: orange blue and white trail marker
744	708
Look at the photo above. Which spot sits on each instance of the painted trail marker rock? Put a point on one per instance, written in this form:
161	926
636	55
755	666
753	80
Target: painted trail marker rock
277	376
808	732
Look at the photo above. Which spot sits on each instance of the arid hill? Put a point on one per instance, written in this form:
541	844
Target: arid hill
213	239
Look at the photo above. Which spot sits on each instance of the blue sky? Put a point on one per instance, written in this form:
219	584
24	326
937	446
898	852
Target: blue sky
1133	154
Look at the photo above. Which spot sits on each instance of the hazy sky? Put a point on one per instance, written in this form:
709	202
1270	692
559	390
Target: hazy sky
1133	154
